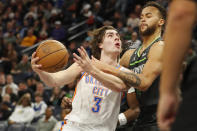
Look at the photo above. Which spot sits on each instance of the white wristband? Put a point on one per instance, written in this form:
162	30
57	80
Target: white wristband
122	119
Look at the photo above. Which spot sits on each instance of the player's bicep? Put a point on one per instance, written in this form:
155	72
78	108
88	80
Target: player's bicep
152	68
124	61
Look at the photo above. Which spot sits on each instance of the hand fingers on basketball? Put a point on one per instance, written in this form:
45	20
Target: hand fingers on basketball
34	58
33	55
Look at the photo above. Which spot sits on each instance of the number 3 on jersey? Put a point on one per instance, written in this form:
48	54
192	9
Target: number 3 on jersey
97	105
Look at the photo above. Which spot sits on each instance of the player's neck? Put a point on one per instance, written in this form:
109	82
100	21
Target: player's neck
147	40
110	59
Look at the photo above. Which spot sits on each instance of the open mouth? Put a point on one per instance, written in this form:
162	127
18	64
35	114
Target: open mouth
117	45
143	25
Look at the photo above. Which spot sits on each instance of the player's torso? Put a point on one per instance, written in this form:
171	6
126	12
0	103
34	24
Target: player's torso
93	103
137	63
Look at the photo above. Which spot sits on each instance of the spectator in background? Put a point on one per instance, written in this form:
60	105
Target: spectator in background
42	36
117	16
86	12
71	49
9	56
24	29
13	97
40	88
6	98
10	37
135	42
127	32
58	33
86	45
47	122
138	10
31	83
133	20
5	111
23	89
121	4
23	112
54	16
30	39
98	13
39	106
2	81
24	66
11	84
56	96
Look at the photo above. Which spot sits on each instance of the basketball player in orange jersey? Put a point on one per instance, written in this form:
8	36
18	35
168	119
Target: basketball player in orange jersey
145	63
96	103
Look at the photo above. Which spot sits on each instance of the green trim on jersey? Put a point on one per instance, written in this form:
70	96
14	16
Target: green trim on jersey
136	62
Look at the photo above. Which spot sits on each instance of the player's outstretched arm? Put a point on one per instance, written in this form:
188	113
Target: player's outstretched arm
141	81
112	82
58	78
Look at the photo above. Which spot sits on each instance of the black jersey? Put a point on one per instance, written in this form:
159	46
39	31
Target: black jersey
137	62
148	100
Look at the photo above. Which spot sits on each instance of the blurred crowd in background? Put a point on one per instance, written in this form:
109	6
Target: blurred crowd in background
24	23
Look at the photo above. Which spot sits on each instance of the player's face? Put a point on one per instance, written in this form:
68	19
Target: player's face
111	42
149	20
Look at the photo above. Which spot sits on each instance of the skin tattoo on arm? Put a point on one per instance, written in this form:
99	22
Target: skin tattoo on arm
131	79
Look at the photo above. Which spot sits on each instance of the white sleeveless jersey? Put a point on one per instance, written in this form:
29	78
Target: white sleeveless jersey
94	104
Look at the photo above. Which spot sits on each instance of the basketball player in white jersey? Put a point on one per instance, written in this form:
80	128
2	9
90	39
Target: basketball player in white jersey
96	102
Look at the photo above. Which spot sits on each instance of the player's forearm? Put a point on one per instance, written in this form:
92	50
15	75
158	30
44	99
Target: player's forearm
47	78
129	77
177	39
110	81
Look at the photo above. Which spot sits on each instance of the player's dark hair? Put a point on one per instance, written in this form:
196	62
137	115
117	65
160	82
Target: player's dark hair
161	9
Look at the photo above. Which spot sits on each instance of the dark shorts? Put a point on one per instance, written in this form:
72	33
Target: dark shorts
147	120
186	119
152	127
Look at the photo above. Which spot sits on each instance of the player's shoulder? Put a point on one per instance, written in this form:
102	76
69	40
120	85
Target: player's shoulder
158	46
157	49
129	52
124	61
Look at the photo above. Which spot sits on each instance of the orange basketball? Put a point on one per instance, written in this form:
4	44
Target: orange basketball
53	55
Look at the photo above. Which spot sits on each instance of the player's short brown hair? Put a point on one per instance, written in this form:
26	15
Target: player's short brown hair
161	9
98	35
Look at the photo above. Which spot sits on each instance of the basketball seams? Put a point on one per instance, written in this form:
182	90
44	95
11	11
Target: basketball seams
56	63
46	44
50	54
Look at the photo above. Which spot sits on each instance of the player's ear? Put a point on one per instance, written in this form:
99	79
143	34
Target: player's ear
101	45
161	22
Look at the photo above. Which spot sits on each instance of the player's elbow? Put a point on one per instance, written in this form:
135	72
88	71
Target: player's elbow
144	86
